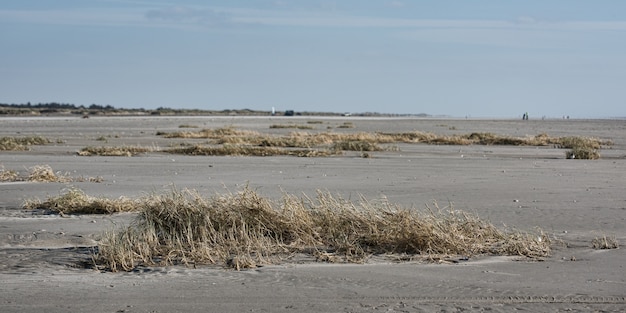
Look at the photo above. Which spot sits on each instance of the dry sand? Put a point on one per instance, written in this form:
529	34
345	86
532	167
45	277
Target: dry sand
522	187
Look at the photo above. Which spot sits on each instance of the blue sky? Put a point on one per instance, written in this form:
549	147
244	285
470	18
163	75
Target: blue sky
482	58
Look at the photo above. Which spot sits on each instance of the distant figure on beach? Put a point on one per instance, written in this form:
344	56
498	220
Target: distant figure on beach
525	116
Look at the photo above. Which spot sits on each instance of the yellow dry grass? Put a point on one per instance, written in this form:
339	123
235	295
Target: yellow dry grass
21	143
296	126
207	133
244	230
75	201
115	151
42	173
232	141
244	150
8	175
605	242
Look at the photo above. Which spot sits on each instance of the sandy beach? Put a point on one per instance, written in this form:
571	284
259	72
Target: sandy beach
519	187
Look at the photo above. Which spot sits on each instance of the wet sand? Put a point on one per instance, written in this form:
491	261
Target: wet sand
574	201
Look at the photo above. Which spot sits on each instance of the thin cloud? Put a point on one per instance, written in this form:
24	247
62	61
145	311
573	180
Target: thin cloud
182	16
190	15
97	17
396	4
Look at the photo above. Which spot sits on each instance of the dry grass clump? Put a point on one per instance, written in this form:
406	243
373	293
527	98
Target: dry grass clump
37	173
291	126
188	126
356	145
115	151
8	175
605	242
470	139
21	143
217	133
75	201
583	153
244	230
582	147
245	150
44	173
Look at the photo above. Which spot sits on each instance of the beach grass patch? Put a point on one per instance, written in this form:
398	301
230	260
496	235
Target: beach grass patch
356	145
244	230
8	175
75	201
296	126
582	147
188	126
44	173
115	151
21	143
245	150
208	133
605	242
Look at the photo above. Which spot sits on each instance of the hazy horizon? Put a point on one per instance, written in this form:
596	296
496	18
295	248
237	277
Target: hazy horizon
444	58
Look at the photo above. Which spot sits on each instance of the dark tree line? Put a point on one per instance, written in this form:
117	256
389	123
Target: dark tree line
56	105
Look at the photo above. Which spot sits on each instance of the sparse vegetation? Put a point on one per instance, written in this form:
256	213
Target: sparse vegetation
244	230
243	150
42	173
291	126
21	143
356	145
232	141
582	147
115	151
605	242
583	153
75	201
217	133
188	126
8	175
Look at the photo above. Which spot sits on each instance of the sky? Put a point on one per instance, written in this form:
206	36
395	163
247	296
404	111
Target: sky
459	58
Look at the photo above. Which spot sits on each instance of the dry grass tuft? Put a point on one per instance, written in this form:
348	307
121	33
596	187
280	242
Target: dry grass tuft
115	151
244	230
605	243
291	126
346	125
188	126
75	201
8	175
243	150
582	147
356	145
217	133
44	173
21	143
583	153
